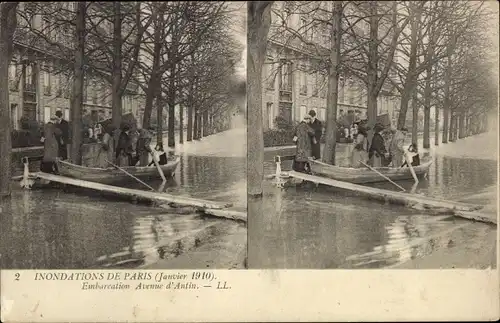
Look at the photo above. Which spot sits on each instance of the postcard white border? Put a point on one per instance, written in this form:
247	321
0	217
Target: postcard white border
263	295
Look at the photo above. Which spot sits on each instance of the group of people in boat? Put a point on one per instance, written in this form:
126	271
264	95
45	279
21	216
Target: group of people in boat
309	131
121	147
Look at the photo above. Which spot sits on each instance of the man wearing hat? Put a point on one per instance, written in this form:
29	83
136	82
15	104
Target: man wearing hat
396	148
63	141
377	152
318	132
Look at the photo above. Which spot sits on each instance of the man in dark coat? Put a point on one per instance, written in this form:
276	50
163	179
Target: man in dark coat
124	148
63	139
378	152
318	132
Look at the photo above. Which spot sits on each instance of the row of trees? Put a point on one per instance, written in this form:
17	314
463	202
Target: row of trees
176	54
430	54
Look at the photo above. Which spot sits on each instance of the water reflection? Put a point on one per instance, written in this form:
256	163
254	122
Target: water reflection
328	228
54	229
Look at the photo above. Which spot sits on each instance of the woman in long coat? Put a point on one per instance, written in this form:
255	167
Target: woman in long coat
304	138
50	146
396	148
144	147
124	148
360	151
377	152
107	150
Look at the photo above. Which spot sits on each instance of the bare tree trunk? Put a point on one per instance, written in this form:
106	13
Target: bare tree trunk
446	105
436	126
206	130
181	125
200	125
171	107
79	76
372	68
427	108
414	122
159	116
154	79
259	22
116	98
195	124
410	85
461	125
8	24
451	127
190	112
333	87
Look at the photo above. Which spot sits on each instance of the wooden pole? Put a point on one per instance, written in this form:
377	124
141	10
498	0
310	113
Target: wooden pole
162	175
387	178
408	161
123	170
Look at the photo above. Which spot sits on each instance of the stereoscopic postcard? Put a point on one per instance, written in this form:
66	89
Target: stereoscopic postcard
257	161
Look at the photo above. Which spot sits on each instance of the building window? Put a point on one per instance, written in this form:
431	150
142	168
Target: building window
94	92
323	88
303	80
57	85
286	76
13	116
322	114
29	78
341	90
66	87
315	84
46	81
86	86
13	80
350	90
270	75
46	114
270	115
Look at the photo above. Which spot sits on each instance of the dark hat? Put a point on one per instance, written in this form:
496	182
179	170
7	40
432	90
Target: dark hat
312	113
404	129
59	113
378	127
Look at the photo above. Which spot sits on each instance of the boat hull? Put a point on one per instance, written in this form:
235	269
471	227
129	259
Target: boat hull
112	175
365	175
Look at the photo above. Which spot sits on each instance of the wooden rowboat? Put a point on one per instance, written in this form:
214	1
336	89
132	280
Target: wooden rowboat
365	175
113	175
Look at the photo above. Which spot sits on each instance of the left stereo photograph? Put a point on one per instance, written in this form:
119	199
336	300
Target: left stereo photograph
126	135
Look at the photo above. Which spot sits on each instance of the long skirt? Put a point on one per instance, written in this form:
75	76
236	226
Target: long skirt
376	161
301	167
397	160
316	150
49	167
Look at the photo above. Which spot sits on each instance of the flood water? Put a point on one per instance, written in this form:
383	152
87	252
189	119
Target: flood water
51	228
320	228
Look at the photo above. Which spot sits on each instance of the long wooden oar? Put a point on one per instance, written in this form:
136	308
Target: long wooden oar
412	171
387	178
162	175
123	170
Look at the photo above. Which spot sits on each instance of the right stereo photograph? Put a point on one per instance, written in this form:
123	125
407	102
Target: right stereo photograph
372	134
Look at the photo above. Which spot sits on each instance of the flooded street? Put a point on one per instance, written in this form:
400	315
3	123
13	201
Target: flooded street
52	228
321	228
